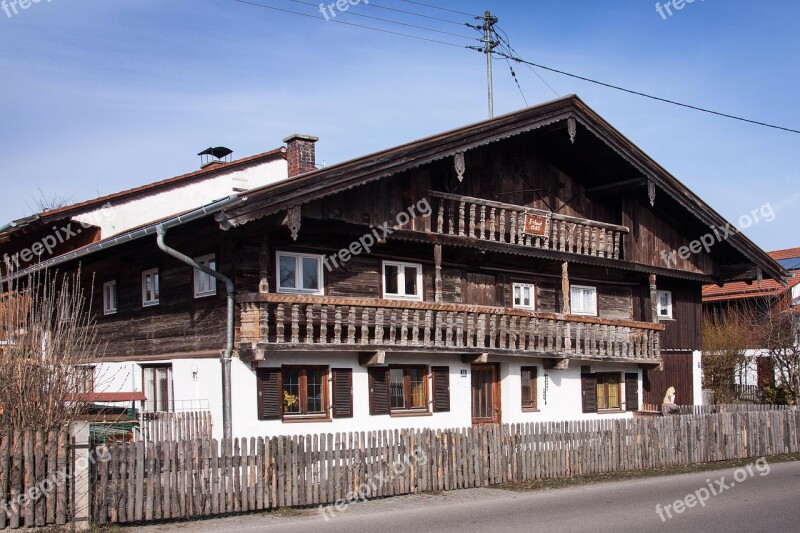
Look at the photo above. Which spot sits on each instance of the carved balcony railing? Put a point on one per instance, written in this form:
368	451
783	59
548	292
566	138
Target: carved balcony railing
486	220
289	322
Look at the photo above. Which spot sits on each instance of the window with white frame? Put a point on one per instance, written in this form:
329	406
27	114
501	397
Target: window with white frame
150	287
524	296
402	281
583	300
158	391
796	295
204	284
299	273
109	297
664	299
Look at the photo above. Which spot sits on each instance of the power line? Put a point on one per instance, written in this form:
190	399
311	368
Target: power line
645	95
506	43
514	75
390	21
372	4
443	8
265	6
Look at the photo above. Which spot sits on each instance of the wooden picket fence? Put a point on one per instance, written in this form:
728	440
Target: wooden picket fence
29	460
193	478
189	425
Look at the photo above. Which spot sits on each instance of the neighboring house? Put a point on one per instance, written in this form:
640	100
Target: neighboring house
508	271
759	300
50	234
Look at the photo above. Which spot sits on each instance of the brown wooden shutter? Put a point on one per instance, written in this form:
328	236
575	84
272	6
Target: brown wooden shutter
342	392
632	392
270	404
589	392
379	391
441	389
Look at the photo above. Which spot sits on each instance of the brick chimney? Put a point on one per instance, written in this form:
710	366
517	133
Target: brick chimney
300	154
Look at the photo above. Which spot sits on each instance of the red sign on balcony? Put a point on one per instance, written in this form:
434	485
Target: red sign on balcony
535	225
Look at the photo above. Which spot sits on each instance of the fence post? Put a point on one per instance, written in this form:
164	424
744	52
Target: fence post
81	461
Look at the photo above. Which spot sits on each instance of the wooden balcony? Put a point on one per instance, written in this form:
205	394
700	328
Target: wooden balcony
279	322
486	220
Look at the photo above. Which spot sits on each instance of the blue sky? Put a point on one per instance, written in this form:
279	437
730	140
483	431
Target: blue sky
101	96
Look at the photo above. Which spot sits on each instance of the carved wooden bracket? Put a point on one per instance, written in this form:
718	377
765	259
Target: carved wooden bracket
437	258
460	164
555	364
372	358
651	192
472	358
565	288
293	216
572	128
654	298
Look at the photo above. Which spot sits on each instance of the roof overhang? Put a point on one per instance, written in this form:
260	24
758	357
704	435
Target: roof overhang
334	179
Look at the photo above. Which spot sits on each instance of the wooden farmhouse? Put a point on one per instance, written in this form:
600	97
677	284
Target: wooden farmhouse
536	266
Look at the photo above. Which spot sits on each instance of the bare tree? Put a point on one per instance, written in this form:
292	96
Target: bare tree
781	340
725	346
47	339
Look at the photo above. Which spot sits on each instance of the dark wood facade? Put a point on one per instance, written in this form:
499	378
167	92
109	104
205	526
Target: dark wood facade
610	216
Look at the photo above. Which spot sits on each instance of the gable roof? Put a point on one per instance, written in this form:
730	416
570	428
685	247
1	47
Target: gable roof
184	179
333	179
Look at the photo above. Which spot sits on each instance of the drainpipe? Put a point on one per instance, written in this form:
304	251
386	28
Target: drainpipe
225	361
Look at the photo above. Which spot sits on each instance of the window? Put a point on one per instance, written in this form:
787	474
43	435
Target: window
403	390
402	281
408	388
157	381
110	298
305	391
298	393
150	288
664	299
529	375
524	296
796	294
300	273
205	285
583	300
608	391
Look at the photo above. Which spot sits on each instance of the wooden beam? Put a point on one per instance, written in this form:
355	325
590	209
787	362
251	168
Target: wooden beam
620	185
565	288
264	262
372	358
555	364
472	358
653	299
437	258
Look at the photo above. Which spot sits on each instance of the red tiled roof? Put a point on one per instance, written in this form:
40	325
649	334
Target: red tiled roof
64	211
788	253
739	289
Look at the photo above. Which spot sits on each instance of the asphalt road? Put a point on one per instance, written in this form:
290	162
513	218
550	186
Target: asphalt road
744	501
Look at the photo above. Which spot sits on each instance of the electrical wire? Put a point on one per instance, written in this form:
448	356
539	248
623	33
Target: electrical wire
390	21
414	13
265	6
443	8
506	42
645	95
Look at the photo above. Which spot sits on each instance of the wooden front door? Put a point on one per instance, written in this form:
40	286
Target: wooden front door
486	394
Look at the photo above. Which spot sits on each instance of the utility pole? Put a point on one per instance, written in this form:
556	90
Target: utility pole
488	25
